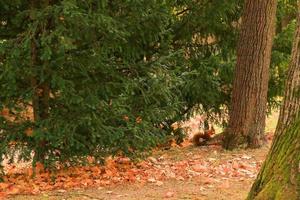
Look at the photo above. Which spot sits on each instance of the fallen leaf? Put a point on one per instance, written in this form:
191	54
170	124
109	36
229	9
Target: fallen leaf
159	183
169	194
3	186
29	132
180	178
224	185
13	190
207	180
235	165
123	160
153	160
199	168
151	180
246	157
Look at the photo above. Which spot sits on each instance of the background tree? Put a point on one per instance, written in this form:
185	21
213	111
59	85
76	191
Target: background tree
208	39
250	86
207	31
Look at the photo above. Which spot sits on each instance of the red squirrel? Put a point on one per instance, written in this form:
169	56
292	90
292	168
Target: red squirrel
201	138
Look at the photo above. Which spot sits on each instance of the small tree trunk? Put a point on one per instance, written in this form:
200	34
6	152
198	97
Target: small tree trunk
34	82
41	88
279	177
249	95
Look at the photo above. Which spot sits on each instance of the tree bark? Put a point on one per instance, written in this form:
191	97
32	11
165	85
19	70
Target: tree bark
279	177
249	95
291	104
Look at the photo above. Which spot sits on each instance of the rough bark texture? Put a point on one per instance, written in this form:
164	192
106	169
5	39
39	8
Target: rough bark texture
249	96
291	103
279	177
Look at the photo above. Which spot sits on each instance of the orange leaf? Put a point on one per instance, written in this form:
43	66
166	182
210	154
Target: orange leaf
138	120
200	168
224	185
4	186
169	194
13	190
29	132
39	167
126	118
5	112
3	195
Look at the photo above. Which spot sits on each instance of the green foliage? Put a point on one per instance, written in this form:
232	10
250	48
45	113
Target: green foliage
207	31
109	69
209	34
110	77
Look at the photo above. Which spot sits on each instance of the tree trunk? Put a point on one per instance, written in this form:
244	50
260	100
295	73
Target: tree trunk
279	177
249	95
41	88
291	103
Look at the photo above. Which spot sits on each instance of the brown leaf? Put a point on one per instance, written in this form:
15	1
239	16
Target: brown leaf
13	190
159	183
169	194
208	180
224	185
29	132
199	168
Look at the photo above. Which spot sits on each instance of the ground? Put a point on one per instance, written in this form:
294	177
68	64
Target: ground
180	173
187	172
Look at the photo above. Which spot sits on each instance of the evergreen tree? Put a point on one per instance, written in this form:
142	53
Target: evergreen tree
99	77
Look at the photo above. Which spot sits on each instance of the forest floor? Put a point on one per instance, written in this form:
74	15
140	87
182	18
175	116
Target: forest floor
179	173
188	172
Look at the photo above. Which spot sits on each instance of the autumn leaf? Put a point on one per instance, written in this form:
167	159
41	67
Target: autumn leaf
138	120
5	112
199	168
29	132
126	118
169	194
4	186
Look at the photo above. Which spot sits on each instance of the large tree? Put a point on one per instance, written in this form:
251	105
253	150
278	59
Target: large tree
290	108
249	95
279	177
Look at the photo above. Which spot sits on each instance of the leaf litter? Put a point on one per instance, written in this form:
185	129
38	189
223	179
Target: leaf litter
211	165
